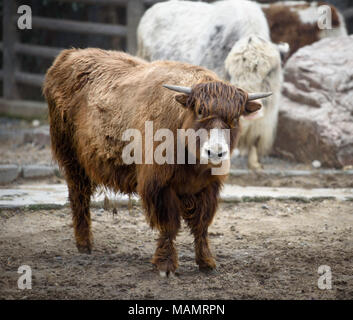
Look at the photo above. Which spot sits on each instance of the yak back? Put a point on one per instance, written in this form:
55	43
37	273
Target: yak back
95	95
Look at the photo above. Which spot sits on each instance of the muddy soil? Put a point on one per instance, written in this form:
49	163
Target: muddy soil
266	250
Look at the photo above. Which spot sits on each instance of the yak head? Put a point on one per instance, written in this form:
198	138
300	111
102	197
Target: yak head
215	108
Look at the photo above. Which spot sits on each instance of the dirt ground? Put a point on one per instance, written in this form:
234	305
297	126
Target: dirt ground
266	250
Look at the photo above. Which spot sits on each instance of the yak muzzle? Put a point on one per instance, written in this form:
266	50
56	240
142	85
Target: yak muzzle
216	148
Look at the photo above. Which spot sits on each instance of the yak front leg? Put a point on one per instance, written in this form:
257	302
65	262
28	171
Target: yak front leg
199	211
163	213
165	258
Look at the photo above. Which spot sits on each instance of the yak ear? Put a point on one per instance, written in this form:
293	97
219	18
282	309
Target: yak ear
253	110
182	99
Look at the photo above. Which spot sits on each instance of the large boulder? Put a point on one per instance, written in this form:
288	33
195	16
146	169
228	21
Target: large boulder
316	111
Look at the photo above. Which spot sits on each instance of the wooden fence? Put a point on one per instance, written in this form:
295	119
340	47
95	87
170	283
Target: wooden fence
12	76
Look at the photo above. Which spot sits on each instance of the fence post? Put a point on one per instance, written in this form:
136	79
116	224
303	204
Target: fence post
10	64
135	10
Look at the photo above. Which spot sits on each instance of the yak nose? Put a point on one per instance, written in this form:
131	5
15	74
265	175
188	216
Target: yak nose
216	148
217	152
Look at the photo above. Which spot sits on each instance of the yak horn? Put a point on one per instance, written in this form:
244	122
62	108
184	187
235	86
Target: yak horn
186	90
258	95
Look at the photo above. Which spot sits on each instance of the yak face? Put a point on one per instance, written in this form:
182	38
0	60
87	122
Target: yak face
215	107
253	62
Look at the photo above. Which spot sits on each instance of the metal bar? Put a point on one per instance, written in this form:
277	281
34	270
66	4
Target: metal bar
29	78
23	108
152	2
135	10
348	13
37	50
79	27
118	3
10	63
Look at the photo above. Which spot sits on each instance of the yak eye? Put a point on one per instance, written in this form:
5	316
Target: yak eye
199	113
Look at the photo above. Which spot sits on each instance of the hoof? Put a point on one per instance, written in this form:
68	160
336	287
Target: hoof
166	274
255	166
84	249
206	265
165	267
208	270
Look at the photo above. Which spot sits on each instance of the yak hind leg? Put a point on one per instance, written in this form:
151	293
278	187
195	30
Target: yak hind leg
198	213
80	191
162	212
253	159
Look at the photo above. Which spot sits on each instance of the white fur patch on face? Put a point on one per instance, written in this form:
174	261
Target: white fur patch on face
216	148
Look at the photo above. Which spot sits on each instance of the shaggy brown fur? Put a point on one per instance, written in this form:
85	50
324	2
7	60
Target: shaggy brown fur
94	96
286	26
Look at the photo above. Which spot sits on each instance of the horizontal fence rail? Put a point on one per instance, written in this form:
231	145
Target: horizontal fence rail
11	75
79	27
29	78
37	50
23	108
348	13
117	3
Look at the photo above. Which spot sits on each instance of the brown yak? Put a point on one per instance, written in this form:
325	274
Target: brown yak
95	95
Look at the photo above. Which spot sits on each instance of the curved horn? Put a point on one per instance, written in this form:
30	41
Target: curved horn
186	90
258	95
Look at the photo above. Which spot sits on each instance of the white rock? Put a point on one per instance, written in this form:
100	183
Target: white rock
316	164
35	123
